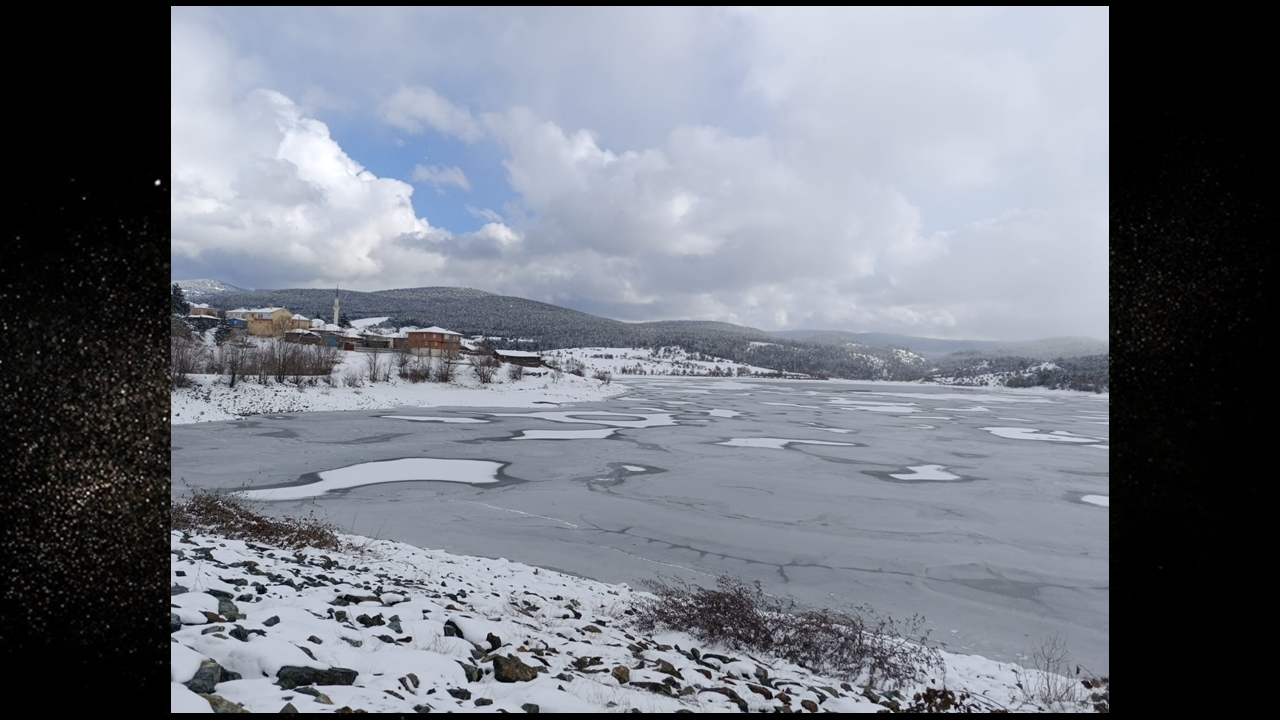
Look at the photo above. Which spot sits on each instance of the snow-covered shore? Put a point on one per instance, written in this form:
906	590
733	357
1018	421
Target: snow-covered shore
392	628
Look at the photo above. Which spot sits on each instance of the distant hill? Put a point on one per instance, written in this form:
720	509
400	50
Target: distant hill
923	346
516	323
203	289
1054	348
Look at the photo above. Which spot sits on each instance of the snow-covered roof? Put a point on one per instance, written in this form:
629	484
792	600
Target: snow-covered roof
434	329
300	331
265	309
516	353
330	327
199	305
240	310
296	316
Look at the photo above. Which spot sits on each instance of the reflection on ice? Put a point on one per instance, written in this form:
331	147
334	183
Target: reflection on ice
1018	433
1103	500
600	434
926	472
418	418
777	443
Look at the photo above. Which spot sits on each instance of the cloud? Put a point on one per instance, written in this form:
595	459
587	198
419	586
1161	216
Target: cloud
410	107
440	176
929	171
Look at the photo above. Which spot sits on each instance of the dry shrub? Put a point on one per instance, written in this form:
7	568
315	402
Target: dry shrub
825	641
232	517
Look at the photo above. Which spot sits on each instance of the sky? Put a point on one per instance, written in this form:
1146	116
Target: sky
940	172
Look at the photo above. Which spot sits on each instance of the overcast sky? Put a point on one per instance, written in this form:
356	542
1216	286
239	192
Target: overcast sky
937	172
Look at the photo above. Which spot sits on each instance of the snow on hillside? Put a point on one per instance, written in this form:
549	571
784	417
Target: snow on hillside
648	361
201	288
211	399
368	322
387	627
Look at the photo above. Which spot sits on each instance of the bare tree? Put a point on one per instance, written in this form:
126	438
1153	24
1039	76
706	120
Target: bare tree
484	366
234	353
186	354
515	371
603	375
372	363
444	369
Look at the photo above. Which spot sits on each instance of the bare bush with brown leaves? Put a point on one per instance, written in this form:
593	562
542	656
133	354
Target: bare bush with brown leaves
825	641
233	517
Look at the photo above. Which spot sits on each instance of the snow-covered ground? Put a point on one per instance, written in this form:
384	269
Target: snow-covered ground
653	361
392	628
211	398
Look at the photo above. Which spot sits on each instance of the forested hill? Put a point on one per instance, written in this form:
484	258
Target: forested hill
522	324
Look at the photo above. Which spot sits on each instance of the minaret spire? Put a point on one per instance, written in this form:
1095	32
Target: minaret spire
335	304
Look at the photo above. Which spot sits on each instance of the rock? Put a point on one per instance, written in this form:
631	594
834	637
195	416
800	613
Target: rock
733	697
209	675
271	621
622	674
512	669
653	687
564	677
590	629
239	633
529	708
319	696
481	702
213	629
228	609
222	705
451	629
177	590
291	676
307	651
494	641
247	597
760	691
367	621
353	643
288	708
869	694
665	667
473	673
809	705
460	693
315	640
784	698
422	708
394	624
175	623
762	675
220	594
210	617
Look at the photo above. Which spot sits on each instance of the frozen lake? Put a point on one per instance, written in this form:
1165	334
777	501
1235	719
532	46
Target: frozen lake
982	510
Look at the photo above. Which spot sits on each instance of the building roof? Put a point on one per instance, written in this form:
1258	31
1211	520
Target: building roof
199	305
296	316
266	309
516	353
434	329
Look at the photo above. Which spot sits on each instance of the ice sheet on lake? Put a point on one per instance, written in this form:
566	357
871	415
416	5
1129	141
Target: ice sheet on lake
476	472
723	413
593	418
926	472
633	468
1103	500
600	434
419	418
1018	433
777	443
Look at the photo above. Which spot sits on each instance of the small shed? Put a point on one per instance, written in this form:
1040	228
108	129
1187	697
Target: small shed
527	359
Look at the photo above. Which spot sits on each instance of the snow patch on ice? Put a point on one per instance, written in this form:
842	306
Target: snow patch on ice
475	472
926	472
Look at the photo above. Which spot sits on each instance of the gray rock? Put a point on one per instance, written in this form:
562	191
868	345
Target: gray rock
473	673
481	702
175	623
622	674
213	629
177	590
220	594
273	620
228	609
529	708
459	693
291	676
221	704
209	675
512	669
315	640
288	708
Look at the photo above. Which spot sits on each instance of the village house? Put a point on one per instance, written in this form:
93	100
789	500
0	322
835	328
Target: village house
527	359
302	337
238	314
202	309
300	322
434	342
269	321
